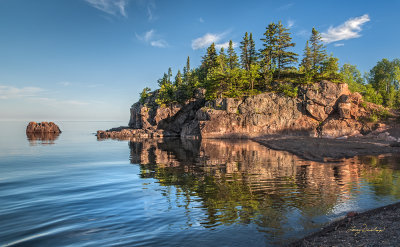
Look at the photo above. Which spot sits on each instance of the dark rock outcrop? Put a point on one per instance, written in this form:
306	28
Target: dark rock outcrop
323	109
43	127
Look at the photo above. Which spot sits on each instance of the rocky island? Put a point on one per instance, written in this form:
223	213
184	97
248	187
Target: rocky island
314	111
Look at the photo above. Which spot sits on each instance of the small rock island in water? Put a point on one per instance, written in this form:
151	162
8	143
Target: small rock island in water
46	132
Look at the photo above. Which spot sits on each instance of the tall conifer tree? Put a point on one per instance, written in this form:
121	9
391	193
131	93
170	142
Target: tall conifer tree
253	56
244	56
232	57
317	50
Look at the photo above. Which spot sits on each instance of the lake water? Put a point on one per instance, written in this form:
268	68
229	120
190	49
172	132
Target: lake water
74	190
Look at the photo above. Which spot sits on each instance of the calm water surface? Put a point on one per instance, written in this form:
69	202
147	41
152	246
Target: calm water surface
73	190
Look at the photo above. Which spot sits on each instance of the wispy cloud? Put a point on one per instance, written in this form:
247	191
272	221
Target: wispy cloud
9	92
201	20
33	94
290	23
151	6
285	6
225	45
349	30
338	44
150	37
112	7
159	43
207	40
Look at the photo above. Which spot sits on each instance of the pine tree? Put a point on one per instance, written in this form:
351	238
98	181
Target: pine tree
232	57
188	64
284	58
306	63
178	79
244	56
169	75
209	61
317	50
253	56
268	56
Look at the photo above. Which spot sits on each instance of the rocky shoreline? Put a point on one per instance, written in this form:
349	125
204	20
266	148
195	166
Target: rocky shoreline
376	227
323	109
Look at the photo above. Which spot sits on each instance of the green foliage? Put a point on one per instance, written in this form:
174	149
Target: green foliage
275	55
223	75
330	69
380	114
371	95
352	76
385	78
144	95
317	51
288	89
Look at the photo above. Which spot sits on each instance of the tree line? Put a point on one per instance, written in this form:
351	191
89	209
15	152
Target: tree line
272	69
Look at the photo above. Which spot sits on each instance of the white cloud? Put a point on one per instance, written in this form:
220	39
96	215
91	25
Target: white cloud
338	44
290	23
225	45
207	40
147	35
349	30
152	38
201	20
9	92
159	43
112	7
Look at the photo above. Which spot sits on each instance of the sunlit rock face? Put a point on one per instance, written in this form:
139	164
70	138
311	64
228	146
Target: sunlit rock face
323	109
43	133
43	127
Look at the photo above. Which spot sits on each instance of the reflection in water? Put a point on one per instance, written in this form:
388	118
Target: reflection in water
42	138
242	182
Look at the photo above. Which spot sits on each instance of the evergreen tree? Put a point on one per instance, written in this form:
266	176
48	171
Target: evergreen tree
330	68
244	56
169	75
232	57
306	63
253	56
144	95
178	79
186	69
268	54
317	51
209	61
284	58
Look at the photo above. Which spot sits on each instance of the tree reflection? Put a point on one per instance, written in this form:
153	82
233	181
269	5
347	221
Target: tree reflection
242	182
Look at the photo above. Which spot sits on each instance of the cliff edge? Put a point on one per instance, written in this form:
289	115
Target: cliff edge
323	109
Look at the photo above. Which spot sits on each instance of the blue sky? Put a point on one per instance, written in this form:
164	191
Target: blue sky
89	59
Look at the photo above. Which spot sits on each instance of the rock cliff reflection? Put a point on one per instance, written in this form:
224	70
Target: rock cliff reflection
243	182
41	138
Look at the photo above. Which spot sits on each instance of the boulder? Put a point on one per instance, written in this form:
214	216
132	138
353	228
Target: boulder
43	127
340	127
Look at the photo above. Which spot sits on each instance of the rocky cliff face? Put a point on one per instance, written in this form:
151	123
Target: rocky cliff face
322	109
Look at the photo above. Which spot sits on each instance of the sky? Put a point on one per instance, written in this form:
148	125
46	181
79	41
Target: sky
90	59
